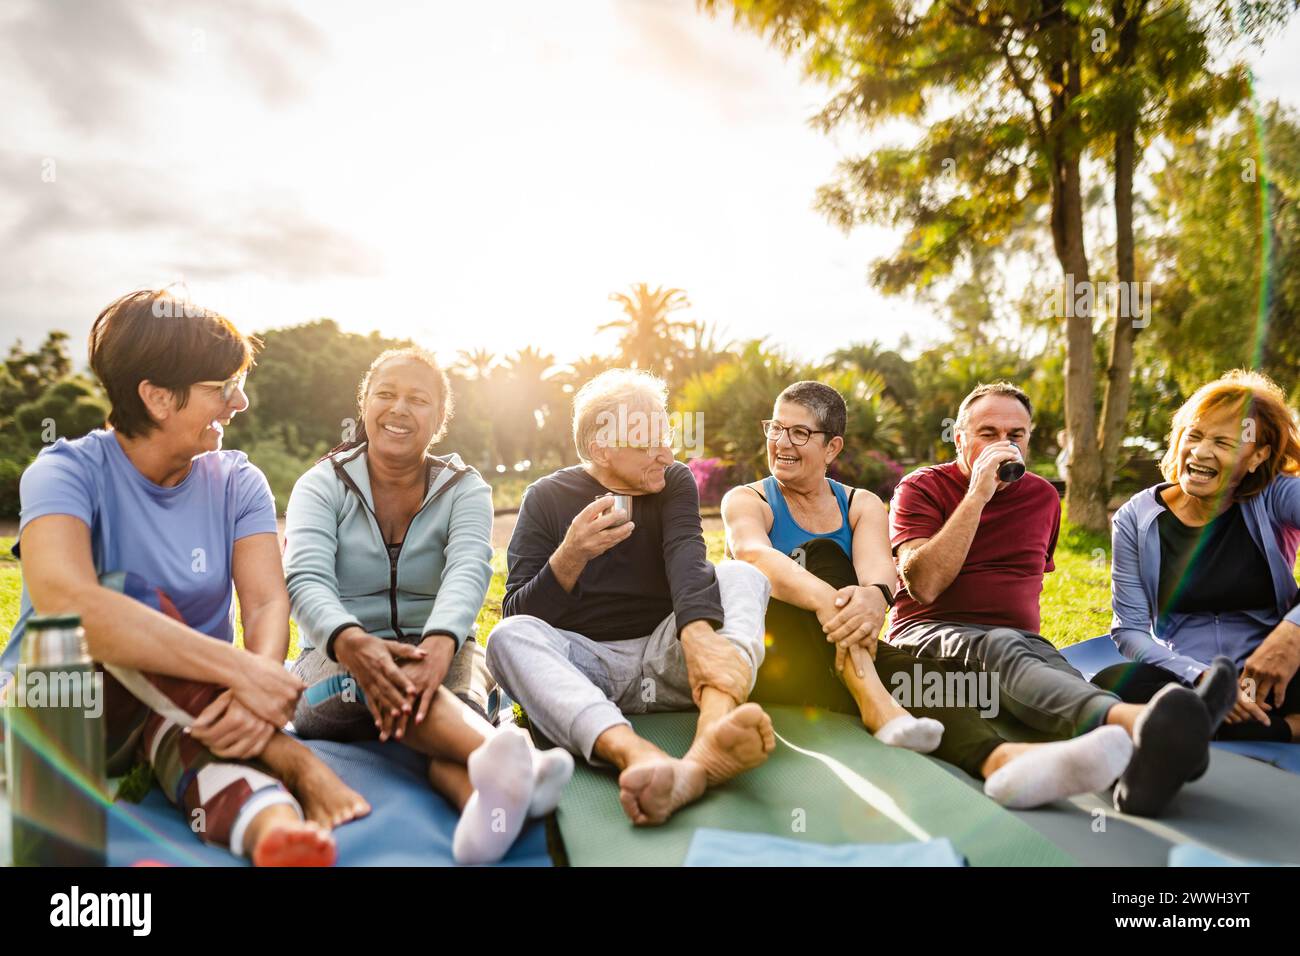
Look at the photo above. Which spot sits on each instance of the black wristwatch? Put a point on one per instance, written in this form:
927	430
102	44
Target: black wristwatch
887	591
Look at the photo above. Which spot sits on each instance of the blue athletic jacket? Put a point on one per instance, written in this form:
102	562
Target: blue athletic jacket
1184	644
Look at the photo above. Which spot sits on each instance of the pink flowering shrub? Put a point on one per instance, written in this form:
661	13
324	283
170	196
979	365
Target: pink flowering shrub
712	477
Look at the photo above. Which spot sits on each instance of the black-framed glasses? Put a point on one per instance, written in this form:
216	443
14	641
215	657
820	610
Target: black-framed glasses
228	386
799	435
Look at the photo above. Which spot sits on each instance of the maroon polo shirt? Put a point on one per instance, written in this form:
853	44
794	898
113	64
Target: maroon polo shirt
1002	578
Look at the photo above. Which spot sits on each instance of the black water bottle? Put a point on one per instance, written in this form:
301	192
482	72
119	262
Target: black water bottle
1013	469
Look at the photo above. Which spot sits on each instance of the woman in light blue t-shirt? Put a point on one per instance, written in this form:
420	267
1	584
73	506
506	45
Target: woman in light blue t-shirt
145	530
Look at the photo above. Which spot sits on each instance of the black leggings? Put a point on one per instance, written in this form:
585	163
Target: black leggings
799	667
1136	683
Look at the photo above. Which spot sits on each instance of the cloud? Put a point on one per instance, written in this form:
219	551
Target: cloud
265	40
93	61
284	244
203	232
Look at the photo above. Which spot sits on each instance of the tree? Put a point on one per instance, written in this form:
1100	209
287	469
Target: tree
41	402
944	376
894	370
1009	96
699	349
303	390
478	363
33	372
69	408
1154	81
648	337
1229	290
734	397
531	420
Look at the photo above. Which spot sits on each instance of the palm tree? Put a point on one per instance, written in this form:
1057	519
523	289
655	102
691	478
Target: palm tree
581	371
887	363
532	400
701	351
479	363
648	337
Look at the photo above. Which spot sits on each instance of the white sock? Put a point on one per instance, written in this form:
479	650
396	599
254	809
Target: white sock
551	771
921	734
501	771
1048	772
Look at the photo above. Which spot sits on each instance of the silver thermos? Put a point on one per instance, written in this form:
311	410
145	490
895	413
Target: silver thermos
54	748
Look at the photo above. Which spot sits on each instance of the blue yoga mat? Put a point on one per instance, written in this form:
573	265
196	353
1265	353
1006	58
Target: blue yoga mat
409	824
1090	657
712	847
1190	855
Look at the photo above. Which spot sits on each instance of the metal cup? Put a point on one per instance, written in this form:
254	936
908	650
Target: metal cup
622	503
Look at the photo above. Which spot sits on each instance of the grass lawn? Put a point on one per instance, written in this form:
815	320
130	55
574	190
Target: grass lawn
11	586
1075	602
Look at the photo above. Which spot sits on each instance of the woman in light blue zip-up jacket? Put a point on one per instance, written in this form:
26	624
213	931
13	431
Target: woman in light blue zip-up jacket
388	558
1203	565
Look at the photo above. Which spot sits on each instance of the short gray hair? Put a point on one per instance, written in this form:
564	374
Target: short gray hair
826	404
606	393
992	388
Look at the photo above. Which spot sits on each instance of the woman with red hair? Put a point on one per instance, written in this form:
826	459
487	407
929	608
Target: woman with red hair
1202	579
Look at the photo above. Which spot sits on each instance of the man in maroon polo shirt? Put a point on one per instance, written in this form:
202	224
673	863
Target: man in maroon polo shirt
972	551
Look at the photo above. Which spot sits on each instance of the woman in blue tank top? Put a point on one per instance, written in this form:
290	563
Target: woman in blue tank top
825	549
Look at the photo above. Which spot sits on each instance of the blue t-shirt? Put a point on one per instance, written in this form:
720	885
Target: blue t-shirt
179	539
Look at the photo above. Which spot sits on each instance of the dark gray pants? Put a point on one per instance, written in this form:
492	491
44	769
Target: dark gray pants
1035	683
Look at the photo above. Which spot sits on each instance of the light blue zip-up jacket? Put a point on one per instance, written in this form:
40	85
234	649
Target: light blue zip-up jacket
338	569
1184	644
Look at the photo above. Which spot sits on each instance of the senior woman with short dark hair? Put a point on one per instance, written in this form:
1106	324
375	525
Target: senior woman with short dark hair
146	530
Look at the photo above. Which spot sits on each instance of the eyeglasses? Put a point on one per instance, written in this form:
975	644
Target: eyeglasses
799	435
229	386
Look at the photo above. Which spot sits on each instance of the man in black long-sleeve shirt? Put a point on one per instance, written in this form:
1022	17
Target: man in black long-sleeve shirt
607	613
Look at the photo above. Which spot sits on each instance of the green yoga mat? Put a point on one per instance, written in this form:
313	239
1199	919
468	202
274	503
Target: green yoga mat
829	781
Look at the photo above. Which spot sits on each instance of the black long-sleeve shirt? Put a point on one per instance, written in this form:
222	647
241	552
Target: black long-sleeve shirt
625	592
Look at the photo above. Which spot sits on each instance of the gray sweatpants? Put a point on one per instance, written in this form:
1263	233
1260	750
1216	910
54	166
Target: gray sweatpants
1035	683
574	689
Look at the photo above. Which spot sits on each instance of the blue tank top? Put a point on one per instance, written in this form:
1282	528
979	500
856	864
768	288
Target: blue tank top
786	534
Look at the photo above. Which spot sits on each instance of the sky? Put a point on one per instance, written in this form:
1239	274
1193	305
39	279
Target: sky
467	175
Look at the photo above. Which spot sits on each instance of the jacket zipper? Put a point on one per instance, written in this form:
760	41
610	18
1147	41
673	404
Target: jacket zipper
392	585
393	559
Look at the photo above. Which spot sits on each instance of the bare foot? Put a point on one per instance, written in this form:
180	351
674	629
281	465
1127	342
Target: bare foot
325	798
294	843
734	743
652	790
